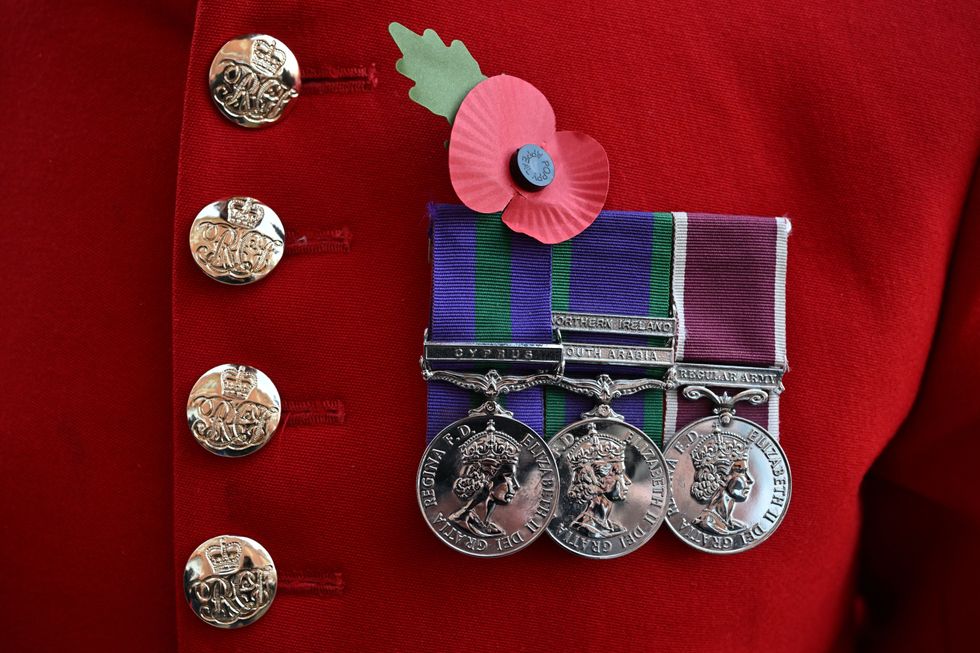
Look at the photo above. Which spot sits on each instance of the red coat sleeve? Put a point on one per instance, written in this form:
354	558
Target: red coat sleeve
921	520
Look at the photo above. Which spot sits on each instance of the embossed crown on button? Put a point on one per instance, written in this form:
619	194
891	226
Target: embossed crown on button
266	57
238	382
245	212
225	556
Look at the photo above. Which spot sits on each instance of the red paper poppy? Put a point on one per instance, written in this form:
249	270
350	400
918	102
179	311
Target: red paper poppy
499	116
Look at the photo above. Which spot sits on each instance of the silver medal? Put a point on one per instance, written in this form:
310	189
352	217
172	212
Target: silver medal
730	480
613	478
487	484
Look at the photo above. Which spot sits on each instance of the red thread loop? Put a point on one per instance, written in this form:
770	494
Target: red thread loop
316	584
339	79
321	242
316	412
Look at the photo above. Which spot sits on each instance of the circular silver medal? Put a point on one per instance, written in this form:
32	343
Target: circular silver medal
614	488
487	484
730	484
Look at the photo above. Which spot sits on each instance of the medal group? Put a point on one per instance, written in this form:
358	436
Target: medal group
640	389
599	371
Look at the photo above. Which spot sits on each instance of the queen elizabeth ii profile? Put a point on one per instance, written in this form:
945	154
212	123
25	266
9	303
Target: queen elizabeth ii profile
598	479
487	477
721	480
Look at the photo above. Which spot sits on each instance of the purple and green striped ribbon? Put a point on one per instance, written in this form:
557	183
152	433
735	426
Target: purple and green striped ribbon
618	266
489	284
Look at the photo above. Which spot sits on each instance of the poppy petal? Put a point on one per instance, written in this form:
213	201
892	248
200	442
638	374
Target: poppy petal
498	116
573	200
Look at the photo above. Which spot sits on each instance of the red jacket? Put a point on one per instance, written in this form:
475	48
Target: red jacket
859	121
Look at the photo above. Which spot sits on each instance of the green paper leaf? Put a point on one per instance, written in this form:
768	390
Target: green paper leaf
442	75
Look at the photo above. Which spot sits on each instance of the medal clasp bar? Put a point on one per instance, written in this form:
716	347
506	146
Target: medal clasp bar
543	355
538	356
491	383
623	325
729	376
619	355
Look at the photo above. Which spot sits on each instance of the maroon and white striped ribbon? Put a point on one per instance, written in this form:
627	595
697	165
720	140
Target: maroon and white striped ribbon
729	290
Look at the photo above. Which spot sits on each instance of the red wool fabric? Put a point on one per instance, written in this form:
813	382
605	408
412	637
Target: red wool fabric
861	122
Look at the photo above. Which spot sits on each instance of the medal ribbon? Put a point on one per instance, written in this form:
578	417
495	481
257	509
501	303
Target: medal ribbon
489	284
620	265
729	291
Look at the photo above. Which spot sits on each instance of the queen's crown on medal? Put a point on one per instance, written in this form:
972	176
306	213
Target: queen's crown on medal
719	449
489	445
598	448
